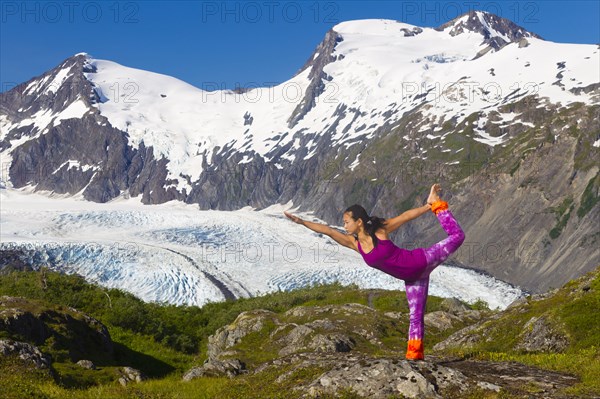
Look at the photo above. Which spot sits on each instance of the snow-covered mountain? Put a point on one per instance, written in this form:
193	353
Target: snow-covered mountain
372	75
502	117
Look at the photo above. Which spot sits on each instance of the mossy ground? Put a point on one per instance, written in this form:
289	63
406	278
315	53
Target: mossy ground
574	310
149	336
164	361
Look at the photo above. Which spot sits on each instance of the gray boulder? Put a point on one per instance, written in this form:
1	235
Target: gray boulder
217	368
441	320
129	375
86	364
26	352
453	305
228	336
469	336
336	342
465	338
539	335
383	378
294	340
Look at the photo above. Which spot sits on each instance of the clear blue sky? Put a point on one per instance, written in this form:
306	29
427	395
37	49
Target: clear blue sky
235	43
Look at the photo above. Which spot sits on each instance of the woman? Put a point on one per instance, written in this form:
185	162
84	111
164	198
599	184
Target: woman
369	236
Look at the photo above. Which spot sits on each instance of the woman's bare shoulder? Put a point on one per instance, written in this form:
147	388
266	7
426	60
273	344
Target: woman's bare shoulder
382	234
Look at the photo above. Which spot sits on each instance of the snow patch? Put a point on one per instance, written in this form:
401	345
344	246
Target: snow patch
58	80
485	138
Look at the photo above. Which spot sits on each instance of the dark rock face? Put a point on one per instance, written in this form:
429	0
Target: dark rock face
60	160
75	155
54	91
322	56
80	334
481	22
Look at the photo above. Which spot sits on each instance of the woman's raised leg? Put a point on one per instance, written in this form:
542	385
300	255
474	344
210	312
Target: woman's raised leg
440	251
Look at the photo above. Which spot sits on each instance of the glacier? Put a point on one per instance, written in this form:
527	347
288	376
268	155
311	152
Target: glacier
177	254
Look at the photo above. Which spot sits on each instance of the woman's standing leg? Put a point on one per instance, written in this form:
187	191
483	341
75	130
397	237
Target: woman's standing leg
416	294
416	291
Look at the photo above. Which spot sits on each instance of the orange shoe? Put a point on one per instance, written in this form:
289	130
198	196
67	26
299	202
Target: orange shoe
439	206
415	350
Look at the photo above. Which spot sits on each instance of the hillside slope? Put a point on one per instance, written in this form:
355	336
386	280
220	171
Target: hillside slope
324	341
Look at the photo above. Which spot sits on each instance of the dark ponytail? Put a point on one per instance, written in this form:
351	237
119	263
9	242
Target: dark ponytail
371	223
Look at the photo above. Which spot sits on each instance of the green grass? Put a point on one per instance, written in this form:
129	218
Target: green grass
142	332
563	214
18	380
572	308
589	199
166	388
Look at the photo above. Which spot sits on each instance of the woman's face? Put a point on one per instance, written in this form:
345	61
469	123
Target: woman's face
351	225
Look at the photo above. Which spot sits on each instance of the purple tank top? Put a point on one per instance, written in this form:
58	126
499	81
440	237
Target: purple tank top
398	262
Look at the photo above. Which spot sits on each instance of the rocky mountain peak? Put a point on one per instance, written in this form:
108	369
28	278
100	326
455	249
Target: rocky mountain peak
32	108
497	31
53	91
322	56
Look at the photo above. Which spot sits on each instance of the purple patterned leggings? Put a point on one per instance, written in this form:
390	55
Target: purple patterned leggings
416	291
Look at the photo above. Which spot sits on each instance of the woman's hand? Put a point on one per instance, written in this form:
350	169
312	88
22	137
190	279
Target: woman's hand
293	218
344	239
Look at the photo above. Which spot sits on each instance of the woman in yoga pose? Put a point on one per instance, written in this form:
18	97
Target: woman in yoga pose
369	236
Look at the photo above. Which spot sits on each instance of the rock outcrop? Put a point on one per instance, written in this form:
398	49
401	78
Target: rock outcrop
381	378
288	334
86	364
341	340
536	324
216	368
540	335
129	375
26	352
67	329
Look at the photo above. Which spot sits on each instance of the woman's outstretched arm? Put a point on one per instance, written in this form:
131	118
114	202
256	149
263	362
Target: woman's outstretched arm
395	222
346	240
